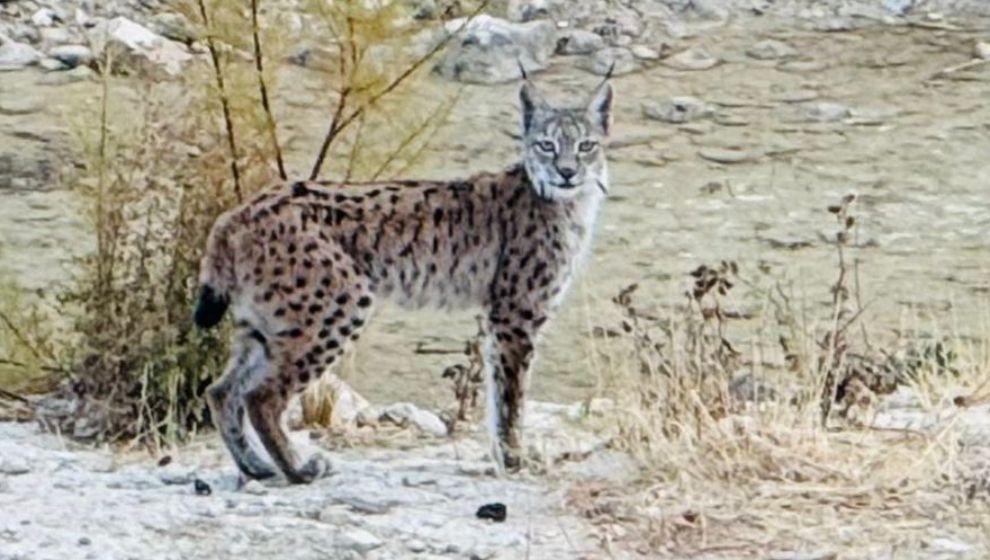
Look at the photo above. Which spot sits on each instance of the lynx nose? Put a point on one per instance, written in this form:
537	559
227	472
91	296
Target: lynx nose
567	172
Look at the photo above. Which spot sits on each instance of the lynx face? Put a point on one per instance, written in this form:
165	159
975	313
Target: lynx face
563	148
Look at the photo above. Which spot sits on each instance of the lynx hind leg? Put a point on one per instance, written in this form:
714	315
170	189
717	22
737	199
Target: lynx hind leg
226	402
310	341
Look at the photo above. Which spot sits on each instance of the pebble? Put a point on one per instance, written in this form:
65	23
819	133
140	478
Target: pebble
618	60
255	488
44	17
495	511
359	540
425	421
949	546
724	155
579	41
823	112
72	55
677	110
643	52
981	50
771	49
14	55
77	74
202	488
13	467
693	59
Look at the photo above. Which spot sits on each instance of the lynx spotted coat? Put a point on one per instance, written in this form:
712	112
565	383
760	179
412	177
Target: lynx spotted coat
301	267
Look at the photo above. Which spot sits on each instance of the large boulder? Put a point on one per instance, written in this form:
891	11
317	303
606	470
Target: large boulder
489	50
139	48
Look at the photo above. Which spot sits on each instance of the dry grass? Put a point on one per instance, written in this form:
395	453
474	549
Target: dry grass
737	460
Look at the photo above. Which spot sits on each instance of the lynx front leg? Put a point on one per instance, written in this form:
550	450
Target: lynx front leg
510	353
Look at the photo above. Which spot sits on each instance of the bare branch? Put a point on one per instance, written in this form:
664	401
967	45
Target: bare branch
263	88
337	124
224	102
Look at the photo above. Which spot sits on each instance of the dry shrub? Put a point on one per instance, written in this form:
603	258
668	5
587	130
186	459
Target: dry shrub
737	460
163	159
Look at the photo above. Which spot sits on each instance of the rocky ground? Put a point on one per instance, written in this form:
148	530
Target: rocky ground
406	496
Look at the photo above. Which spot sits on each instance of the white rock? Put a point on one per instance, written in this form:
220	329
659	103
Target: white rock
695	58
981	50
617	59
490	49
949	546
579	41
677	110
771	49
140	46
529	10
44	17
72	55
824	111
13	467
359	540
14	55
401	413
643	52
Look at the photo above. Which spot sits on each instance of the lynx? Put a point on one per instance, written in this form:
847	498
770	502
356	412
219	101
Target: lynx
301	267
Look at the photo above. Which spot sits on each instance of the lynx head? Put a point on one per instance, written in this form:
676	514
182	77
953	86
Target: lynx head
563	148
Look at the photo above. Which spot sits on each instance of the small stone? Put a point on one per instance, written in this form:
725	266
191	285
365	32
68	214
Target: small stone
822	112
771	49
723	155
403	413
643	52
51	64
72	55
202	488
255	488
579	41
693	59
77	74
13	467
495	511
949	546
359	540
747	388
802	66
14	55
45	17
19	106
416	546
677	110
618	60
981	50
84	541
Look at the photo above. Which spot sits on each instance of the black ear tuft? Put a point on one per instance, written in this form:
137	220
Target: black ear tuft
600	108
522	69
528	101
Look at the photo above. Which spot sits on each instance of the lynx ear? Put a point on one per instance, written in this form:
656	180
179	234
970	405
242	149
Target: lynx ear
531	101
600	108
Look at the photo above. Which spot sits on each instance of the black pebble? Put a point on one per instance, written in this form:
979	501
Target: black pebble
494	511
203	489
164	460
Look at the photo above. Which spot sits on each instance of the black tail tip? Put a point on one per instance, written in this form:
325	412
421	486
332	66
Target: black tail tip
211	307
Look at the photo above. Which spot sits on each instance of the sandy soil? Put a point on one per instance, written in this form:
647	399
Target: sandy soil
912	147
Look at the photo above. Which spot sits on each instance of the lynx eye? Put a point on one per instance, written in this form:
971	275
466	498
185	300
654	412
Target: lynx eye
587	146
545	146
